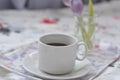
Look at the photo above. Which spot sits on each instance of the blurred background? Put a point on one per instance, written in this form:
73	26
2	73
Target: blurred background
96	1
101	6
33	4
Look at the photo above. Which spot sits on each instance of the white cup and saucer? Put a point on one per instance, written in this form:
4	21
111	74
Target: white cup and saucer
58	58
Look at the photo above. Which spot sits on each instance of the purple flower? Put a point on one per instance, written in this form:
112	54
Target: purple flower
77	6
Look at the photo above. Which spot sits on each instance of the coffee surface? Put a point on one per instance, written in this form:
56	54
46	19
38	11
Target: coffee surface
57	44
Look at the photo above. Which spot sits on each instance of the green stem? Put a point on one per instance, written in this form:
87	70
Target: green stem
85	35
91	26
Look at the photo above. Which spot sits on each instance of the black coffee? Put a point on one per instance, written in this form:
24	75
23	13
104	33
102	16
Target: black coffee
57	44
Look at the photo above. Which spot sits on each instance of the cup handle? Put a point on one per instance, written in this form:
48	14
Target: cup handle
81	55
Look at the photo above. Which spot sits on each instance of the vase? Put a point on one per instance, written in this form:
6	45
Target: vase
85	29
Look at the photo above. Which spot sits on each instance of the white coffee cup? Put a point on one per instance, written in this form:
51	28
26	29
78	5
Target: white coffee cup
58	53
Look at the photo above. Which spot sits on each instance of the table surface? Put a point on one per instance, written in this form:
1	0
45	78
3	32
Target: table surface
104	9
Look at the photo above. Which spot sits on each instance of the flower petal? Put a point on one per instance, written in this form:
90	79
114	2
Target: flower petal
77	6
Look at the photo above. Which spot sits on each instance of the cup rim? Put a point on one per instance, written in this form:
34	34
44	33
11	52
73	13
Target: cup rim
73	43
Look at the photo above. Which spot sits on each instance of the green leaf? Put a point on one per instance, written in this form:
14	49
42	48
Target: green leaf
90	8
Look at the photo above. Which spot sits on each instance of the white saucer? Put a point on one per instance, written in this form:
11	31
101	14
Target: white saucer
30	63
